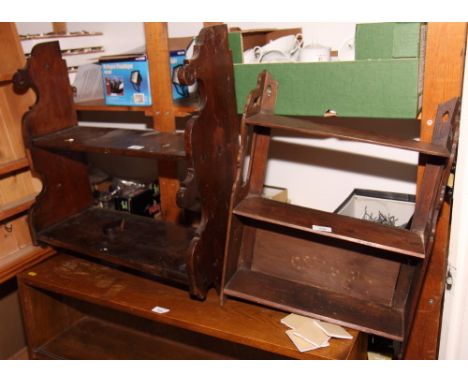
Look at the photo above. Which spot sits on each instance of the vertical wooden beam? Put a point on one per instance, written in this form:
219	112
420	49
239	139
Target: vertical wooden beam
59	28
157	48
443	79
211	23
13	56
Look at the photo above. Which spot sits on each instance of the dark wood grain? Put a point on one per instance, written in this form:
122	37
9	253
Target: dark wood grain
94	339
211	142
315	302
342	227
135	143
324	263
312	129
66	189
148	245
241	323
290	251
62	216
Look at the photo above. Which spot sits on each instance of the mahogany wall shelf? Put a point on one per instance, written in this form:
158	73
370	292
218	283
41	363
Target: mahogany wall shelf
63	214
341	269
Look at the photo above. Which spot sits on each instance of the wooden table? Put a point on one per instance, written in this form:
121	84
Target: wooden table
77	309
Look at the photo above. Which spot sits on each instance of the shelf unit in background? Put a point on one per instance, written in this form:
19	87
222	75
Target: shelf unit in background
18	188
163	111
78	47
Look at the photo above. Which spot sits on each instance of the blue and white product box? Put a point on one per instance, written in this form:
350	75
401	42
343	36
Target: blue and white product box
177	58
126	80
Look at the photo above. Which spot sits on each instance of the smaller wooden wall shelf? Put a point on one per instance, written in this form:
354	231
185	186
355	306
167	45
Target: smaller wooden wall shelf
337	268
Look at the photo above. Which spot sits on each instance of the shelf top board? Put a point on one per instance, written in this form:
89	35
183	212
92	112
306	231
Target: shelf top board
136	143
313	129
136	242
332	225
236	321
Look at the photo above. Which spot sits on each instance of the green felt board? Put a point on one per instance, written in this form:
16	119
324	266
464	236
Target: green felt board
387	40
235	44
368	88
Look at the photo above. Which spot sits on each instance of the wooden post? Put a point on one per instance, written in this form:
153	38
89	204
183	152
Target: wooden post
59	28
157	48
443	78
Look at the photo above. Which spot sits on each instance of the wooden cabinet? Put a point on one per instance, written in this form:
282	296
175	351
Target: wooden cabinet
18	188
77	309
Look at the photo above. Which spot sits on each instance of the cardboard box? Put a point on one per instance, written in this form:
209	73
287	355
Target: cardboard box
391	208
279	194
384	82
126	80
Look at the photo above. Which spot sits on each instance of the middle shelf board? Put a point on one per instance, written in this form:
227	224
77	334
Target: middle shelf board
143	244
135	143
182	107
332	225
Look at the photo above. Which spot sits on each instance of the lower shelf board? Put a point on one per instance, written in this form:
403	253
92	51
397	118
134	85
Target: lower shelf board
143	244
64	289
95	339
319	303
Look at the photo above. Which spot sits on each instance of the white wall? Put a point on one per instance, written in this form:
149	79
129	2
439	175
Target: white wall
454	335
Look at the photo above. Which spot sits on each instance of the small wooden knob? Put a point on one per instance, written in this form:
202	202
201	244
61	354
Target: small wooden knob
21	81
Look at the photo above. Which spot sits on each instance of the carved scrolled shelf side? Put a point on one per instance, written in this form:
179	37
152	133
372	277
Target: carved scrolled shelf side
46	74
211	143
